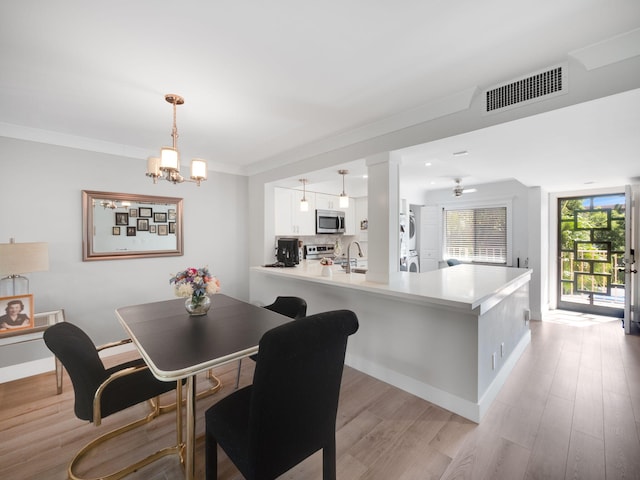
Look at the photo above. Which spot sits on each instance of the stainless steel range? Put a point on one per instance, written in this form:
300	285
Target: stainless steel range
316	252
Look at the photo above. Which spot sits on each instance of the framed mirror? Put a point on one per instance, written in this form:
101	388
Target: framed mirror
126	225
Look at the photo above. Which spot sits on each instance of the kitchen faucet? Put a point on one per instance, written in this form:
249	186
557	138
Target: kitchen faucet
348	269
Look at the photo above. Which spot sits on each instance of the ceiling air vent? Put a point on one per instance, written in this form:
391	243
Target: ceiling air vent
531	88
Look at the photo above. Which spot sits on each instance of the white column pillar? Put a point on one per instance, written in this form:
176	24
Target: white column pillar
384	219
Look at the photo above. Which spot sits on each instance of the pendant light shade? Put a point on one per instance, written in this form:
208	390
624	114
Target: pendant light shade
169	161
344	199
304	204
198	170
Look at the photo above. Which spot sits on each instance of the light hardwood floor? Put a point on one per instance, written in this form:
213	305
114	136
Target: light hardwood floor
569	410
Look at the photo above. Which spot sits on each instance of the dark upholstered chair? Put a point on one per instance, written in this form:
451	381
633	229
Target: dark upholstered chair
289	412
100	392
292	307
452	261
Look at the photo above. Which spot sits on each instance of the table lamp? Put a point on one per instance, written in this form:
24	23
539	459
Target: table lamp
18	258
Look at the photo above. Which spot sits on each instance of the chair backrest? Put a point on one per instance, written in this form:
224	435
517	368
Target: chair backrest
75	350
296	386
292	307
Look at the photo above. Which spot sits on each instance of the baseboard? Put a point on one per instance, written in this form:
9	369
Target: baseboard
44	365
448	401
465	408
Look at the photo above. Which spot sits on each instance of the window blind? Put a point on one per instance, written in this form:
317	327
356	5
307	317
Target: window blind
477	234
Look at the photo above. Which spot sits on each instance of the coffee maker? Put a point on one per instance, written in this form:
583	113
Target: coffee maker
288	252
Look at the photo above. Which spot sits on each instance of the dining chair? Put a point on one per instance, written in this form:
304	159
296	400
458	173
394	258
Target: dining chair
100	392
289	411
292	307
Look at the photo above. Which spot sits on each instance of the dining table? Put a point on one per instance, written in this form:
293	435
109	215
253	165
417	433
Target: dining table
177	346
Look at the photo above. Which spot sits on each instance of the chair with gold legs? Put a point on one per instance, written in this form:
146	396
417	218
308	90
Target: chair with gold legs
100	392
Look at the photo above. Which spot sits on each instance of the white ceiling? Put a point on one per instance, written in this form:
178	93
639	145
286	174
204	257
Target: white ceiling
262	79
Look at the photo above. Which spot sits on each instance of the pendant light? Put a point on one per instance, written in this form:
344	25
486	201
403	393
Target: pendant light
167	166
344	199
304	204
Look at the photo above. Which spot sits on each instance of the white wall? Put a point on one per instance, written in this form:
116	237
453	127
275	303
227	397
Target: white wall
41	202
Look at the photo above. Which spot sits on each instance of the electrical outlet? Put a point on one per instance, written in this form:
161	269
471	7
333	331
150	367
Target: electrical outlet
493	361
502	350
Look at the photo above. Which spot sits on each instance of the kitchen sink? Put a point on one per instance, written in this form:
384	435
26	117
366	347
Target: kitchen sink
355	269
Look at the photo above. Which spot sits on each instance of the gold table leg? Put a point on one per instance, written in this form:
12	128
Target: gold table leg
191	428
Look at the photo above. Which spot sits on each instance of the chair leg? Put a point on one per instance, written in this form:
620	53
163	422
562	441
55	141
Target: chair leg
211	458
238	377
175	449
329	460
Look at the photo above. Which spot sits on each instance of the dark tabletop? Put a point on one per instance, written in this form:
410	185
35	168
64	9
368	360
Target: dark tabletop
176	345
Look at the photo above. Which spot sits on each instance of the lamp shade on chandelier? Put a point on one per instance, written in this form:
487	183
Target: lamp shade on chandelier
167	165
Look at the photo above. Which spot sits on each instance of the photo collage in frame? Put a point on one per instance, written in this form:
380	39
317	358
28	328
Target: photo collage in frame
146	221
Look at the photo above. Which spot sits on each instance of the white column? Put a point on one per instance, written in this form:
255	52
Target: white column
384	218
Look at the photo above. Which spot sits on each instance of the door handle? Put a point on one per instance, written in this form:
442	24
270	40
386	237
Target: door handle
629	271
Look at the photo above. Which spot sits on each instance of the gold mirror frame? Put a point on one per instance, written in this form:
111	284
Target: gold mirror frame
147	245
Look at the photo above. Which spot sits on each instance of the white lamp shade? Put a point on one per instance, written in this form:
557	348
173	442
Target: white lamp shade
153	166
344	201
169	159
304	205
198	169
17	258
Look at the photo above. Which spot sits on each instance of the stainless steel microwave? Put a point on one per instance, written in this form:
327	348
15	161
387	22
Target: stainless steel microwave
329	221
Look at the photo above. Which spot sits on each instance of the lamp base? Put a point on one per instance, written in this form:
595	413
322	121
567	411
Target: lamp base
14	285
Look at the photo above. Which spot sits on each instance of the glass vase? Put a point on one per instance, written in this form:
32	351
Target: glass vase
197	305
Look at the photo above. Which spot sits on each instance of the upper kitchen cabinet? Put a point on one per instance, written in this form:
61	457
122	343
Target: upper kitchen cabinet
327	202
289	219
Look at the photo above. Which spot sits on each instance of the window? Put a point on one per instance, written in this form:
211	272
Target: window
477	234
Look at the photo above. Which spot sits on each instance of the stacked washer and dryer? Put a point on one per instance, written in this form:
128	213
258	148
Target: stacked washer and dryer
409	258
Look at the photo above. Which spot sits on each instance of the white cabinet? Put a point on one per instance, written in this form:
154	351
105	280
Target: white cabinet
350	218
327	202
429	238
304	223
289	220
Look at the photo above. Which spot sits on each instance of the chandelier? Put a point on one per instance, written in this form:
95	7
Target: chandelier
167	166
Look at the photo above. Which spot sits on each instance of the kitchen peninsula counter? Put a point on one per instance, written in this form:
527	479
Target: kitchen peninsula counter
450	336
466	287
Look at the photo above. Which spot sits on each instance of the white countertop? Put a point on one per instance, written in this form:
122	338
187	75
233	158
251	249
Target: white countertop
468	287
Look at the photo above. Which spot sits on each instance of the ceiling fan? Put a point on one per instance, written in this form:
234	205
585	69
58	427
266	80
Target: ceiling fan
458	190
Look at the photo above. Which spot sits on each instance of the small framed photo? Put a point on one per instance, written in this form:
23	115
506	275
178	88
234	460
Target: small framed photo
122	218
160	217
133	212
152	229
172	214
172	227
145	212
16	313
115	230
131	231
162	230
143	224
